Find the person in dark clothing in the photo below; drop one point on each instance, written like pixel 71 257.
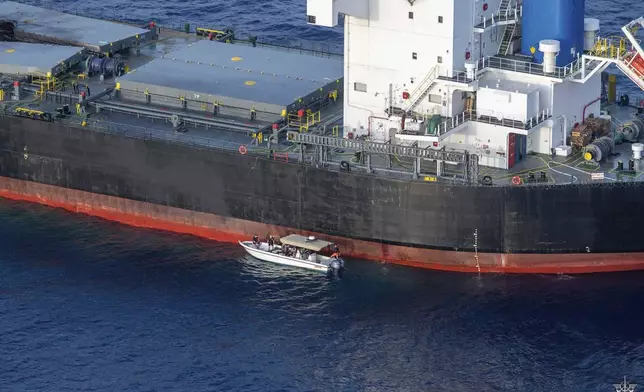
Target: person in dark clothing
pixel 256 241
pixel 271 242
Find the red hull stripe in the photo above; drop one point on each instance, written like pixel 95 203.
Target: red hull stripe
pixel 152 216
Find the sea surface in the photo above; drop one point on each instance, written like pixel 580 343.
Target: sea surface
pixel 90 305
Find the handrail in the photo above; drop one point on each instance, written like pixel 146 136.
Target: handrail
pixel 422 88
pixel 511 29
pixel 528 67
pixel 457 76
pixel 510 14
pixel 377 148
pixel 472 115
pixel 313 48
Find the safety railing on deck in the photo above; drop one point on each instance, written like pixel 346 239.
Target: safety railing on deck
pixel 458 77
pixel 144 133
pixel 510 14
pixel 528 67
pixel 487 118
pixel 611 47
pixel 304 121
pixel 119 15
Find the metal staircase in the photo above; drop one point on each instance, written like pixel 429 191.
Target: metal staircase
pixel 508 13
pixel 422 89
pixel 505 4
pixel 508 36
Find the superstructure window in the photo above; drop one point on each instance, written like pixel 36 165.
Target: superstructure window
pixel 414 56
pixel 440 19
pixel 411 15
pixel 439 59
pixel 360 87
pixel 311 18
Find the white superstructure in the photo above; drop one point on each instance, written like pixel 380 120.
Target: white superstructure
pixel 441 74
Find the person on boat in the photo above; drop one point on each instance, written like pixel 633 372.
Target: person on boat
pixel 271 243
pixel 336 252
pixel 256 241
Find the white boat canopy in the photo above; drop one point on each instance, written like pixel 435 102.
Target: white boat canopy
pixel 300 241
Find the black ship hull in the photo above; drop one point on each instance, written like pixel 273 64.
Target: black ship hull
pixel 224 195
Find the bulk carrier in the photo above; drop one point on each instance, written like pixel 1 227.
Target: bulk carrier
pixel 463 135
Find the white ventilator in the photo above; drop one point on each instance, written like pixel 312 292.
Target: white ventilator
pixel 591 29
pixel 550 49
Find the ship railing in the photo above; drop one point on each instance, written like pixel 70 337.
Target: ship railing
pixel 340 130
pixel 305 121
pixel 144 133
pixel 454 122
pixel 491 118
pixel 613 47
pixel 458 77
pixel 503 16
pixel 528 67
pixel 376 147
pixel 313 49
pixel 635 100
pixel 119 15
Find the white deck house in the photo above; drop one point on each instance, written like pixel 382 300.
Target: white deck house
pixel 441 74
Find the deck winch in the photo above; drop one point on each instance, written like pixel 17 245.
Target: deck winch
pixel 599 150
pixel 631 130
pixel 107 66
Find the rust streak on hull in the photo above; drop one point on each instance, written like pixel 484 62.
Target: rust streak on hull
pixel 147 215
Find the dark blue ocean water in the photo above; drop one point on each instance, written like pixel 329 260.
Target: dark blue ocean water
pixel 89 305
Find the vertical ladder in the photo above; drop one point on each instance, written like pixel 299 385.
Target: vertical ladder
pixel 422 89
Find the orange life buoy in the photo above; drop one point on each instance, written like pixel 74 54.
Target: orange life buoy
pixel 516 180
pixel 243 150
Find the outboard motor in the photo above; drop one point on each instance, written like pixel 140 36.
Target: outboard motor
pixel 336 268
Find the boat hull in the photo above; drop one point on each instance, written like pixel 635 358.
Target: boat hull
pixel 223 195
pixel 282 260
pixel 147 215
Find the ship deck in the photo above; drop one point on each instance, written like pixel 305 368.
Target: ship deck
pixel 25 58
pixel 114 112
pixel 36 23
